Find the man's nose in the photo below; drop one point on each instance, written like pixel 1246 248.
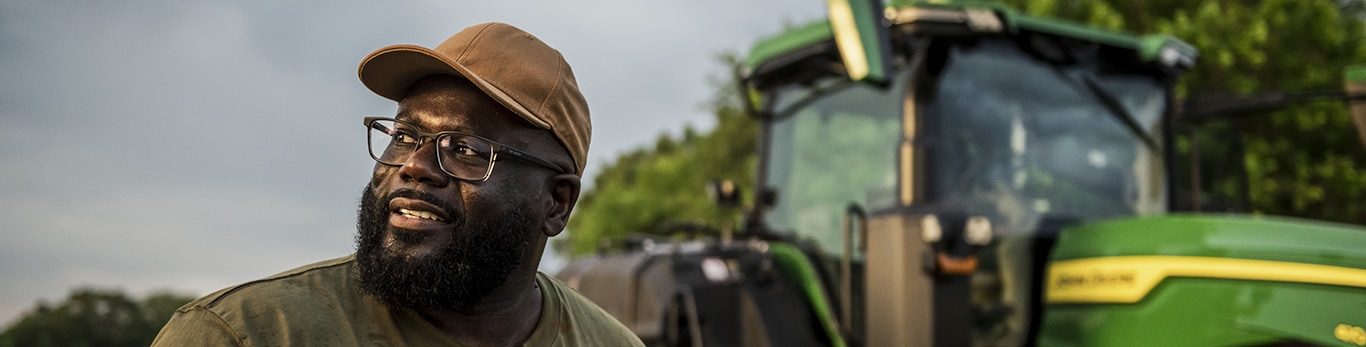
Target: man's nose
pixel 422 166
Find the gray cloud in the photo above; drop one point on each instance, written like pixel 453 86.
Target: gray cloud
pixel 195 145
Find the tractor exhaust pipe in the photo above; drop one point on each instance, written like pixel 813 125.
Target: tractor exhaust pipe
pixel 1355 78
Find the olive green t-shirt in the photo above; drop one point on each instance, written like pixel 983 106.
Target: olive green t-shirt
pixel 322 305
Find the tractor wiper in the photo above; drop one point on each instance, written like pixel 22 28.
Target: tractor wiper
pixel 1120 112
pixel 1112 104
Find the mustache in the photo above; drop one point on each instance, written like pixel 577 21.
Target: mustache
pixel 429 198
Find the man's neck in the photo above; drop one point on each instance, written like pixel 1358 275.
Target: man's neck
pixel 506 317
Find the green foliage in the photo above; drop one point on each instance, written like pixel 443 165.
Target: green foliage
pixel 94 317
pixel 648 189
pixel 1303 161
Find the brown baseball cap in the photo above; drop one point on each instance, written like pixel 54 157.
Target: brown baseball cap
pixel 512 66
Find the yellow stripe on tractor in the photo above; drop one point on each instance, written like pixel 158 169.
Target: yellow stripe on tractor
pixel 1128 279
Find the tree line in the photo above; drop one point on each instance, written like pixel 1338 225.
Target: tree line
pixel 94 317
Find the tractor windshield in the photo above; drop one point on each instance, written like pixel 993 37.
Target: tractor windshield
pixel 1017 138
pixel 1004 134
pixel 830 149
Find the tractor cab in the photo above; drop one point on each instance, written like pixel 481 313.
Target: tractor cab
pixel 987 132
pixel 965 175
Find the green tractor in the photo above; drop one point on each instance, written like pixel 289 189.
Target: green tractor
pixel 962 174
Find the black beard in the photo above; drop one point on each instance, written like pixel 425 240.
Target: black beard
pixel 482 253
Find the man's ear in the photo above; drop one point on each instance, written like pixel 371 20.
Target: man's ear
pixel 563 194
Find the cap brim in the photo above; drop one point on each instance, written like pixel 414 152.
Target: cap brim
pixel 390 71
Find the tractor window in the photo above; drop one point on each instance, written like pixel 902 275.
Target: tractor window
pixel 836 150
pixel 1016 138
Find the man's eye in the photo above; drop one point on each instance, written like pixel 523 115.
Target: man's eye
pixel 465 150
pixel 463 147
pixel 404 138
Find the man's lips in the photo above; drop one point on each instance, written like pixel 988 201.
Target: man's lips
pixel 415 214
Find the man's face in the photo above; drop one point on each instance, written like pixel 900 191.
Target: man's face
pixel 429 240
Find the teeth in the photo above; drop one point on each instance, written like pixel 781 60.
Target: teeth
pixel 419 214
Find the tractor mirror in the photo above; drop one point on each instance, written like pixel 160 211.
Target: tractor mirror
pixel 861 34
pixel 724 192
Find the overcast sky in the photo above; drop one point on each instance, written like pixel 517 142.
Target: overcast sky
pixel 193 145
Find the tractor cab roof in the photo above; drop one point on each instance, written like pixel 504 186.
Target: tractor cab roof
pixel 781 54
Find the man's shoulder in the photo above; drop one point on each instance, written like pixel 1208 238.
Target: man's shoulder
pixel 594 326
pixel 318 304
pixel 310 282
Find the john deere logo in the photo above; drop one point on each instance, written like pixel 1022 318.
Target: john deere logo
pixel 1118 278
pixel 1350 334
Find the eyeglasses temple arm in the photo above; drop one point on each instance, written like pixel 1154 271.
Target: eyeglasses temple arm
pixel 534 160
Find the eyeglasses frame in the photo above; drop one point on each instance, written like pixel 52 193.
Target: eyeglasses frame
pixel 495 147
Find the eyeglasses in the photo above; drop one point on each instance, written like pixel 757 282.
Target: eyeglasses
pixel 463 156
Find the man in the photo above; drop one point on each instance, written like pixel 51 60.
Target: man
pixel 479 167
